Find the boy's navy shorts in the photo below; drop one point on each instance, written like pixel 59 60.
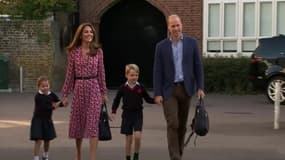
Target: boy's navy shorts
pixel 131 121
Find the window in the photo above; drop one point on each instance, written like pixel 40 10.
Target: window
pixel 265 19
pixel 230 46
pixel 248 45
pixel 214 20
pixel 280 17
pixel 214 46
pixel 234 26
pixel 230 20
pixel 249 19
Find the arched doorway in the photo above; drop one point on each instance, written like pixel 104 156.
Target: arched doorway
pixel 129 32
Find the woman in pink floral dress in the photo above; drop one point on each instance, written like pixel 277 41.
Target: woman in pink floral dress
pixel 85 77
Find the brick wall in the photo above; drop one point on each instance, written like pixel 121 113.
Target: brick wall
pixel 34 44
pixel 27 44
pixel 190 12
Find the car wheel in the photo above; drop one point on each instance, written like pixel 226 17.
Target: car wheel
pixel 271 89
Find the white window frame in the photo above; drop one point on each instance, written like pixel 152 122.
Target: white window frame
pixel 239 38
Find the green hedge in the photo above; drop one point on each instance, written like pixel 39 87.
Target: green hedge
pixel 227 75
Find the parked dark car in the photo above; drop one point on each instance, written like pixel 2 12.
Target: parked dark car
pixel 268 66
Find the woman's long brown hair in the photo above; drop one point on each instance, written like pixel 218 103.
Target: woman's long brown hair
pixel 76 41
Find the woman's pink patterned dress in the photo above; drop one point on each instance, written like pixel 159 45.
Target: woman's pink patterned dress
pixel 87 93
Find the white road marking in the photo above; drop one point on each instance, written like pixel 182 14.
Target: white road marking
pixel 13 123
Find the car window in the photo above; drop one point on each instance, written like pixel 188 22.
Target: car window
pixel 271 47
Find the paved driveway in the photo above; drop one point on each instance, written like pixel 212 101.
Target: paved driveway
pixel 241 128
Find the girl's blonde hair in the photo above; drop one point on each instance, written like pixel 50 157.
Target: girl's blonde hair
pixel 94 45
pixel 132 67
pixel 41 79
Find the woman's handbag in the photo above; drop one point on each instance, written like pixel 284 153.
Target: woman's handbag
pixel 104 126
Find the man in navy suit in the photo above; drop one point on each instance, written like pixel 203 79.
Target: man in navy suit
pixel 178 74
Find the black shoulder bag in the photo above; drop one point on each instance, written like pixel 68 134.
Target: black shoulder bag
pixel 104 126
pixel 200 122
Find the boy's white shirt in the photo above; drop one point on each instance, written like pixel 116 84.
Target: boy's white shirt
pixel 127 83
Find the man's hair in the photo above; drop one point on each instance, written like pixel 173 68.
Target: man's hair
pixel 132 67
pixel 171 16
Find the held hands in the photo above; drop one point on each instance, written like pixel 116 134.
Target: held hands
pixel 158 100
pixel 64 101
pixel 105 99
pixel 57 105
pixel 112 116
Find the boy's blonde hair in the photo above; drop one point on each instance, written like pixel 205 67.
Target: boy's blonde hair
pixel 41 79
pixel 132 67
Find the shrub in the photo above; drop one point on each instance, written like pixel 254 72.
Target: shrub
pixel 227 75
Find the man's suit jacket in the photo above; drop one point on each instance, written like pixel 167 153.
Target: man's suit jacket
pixel 164 71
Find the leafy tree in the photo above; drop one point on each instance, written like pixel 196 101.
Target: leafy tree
pixel 6 6
pixel 36 9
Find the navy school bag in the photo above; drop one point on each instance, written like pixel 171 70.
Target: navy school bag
pixel 200 122
pixel 104 126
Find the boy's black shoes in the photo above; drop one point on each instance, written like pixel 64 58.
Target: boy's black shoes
pixel 44 158
pixel 136 156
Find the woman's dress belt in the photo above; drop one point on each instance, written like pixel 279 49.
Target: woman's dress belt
pixel 85 78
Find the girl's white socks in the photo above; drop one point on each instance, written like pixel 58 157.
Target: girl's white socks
pixel 36 158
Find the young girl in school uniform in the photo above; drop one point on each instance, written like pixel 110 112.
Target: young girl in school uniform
pixel 42 127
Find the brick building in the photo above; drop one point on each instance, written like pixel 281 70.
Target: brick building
pixel 23 48
pixel 190 12
pixel 146 17
pixel 27 44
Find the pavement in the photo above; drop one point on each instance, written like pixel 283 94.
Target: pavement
pixel 241 128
